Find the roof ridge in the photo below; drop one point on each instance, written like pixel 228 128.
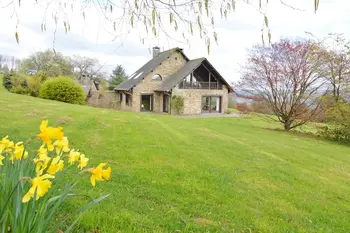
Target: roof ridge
pixel 199 58
pixel 168 50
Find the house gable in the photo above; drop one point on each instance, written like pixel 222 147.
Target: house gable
pixel 200 69
pixel 168 67
pixel 153 66
pixel 165 69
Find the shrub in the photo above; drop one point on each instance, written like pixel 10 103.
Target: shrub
pixel 231 110
pixel 19 90
pixel 339 114
pixel 326 103
pixel 40 75
pixel 261 107
pixel 62 89
pixel 34 84
pixel 6 81
pixel 336 134
pixel 19 80
pixel 19 84
pixel 30 198
pixel 243 108
pixel 177 103
pixel 339 117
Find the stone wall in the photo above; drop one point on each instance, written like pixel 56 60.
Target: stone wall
pixel 147 86
pixel 103 99
pixel 193 99
pixel 122 104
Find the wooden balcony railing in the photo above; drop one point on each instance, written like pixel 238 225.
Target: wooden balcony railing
pixel 200 85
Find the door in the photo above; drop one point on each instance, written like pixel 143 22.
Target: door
pixel 205 104
pixel 211 104
pixel 146 103
pixel 165 103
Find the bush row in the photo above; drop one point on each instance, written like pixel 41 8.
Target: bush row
pixel 255 106
pixel 61 88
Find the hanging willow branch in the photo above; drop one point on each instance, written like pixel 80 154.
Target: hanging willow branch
pixel 186 17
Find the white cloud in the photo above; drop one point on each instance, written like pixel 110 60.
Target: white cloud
pixel 93 37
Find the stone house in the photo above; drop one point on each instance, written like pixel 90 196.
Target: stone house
pixel 171 73
pixel 91 88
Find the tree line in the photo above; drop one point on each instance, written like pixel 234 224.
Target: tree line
pixel 52 64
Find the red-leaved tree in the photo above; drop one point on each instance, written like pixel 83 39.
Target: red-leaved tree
pixel 289 77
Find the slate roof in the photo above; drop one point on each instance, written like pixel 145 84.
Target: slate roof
pixel 136 77
pixel 174 79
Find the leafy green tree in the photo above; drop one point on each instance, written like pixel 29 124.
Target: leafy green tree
pixel 118 76
pixel 48 63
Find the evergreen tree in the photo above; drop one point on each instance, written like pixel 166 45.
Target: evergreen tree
pixel 118 76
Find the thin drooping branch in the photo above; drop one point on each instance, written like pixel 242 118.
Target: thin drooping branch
pixel 151 17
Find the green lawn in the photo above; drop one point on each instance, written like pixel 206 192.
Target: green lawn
pixel 232 110
pixel 175 174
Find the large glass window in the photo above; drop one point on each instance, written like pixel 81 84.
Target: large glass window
pixel 211 104
pixel 146 103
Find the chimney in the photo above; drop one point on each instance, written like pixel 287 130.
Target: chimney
pixel 156 51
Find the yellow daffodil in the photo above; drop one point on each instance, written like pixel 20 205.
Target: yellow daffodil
pixel 56 165
pixel 19 152
pixel 73 156
pixel 48 133
pixel 99 174
pixel 61 145
pixel 6 144
pixel 42 161
pixel 1 159
pixel 83 161
pixel 40 186
pixel 42 150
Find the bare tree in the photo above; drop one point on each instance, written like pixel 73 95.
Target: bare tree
pixel 2 60
pixel 288 76
pixel 336 54
pixel 86 68
pixel 12 63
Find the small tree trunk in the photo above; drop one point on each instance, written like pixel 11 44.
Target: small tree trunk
pixel 287 126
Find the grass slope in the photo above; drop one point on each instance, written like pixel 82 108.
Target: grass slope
pixel 195 175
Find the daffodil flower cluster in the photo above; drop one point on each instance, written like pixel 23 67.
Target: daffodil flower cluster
pixel 52 157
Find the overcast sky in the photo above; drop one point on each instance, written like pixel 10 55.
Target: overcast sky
pixel 240 31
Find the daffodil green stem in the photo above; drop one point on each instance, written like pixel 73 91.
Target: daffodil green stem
pixel 8 199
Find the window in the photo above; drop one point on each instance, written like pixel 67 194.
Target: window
pixel 157 77
pixel 211 104
pixel 146 103
pixel 128 99
pixel 121 97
